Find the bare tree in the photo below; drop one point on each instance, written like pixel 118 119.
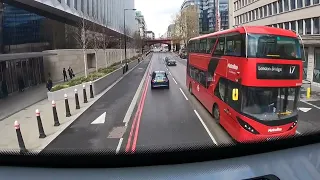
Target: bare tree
pixel 96 39
pixel 186 24
pixel 81 34
pixel 138 41
pixel 105 43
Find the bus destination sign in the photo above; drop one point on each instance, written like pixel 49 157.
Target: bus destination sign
pixel 277 71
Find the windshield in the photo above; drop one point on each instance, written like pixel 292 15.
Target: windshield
pixel 272 46
pixel 270 103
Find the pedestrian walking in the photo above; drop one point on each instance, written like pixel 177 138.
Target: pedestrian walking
pixel 49 83
pixel 71 74
pixel 65 77
pixel 21 83
pixel 4 88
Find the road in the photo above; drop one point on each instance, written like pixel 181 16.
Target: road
pixel 131 117
pixel 167 120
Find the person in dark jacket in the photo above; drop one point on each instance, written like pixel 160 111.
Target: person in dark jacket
pixel 65 77
pixel 70 71
pixel 49 84
pixel 4 88
pixel 21 84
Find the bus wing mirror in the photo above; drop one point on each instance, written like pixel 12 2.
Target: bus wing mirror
pixel 235 94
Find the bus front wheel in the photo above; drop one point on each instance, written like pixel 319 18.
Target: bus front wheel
pixel 216 113
pixel 190 89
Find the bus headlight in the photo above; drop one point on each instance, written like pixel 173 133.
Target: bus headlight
pixel 294 124
pixel 246 126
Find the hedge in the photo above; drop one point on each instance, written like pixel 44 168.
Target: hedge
pixel 91 76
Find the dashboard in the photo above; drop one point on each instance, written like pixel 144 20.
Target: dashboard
pixel 300 163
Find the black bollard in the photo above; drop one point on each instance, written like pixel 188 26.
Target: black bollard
pixel 77 99
pixel 55 114
pixel 66 102
pixel 127 67
pixel 91 90
pixel 20 139
pixel 123 69
pixel 85 99
pixel 40 127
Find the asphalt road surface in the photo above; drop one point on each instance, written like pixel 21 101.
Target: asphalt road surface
pixel 167 121
pixel 101 126
pixel 131 117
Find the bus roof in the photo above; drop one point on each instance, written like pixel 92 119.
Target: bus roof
pixel 251 29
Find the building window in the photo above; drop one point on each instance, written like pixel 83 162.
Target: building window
pixel 254 14
pixel 286 5
pixel 270 9
pixel 261 14
pixel 316 26
pixel 308 26
pixel 274 5
pixel 265 13
pixel 307 2
pixel 300 26
pixel 69 3
pixel 76 5
pixel 280 25
pixel 293 25
pixel 280 6
pixel 299 3
pixel 82 6
pixel 286 25
pixel 292 4
pixel 315 1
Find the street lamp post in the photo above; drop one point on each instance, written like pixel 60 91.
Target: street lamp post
pixel 125 36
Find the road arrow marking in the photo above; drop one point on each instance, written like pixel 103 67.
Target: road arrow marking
pixel 101 119
pixel 305 109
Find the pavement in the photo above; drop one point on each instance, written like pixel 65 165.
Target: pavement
pixel 130 117
pixel 26 116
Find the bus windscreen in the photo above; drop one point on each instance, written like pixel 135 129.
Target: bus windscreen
pixel 273 47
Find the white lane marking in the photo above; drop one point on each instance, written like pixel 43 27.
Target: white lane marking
pixel 310 104
pixel 174 80
pixel 167 69
pixel 135 99
pixel 298 132
pixel 170 73
pixel 101 119
pixel 304 109
pixel 183 94
pixel 206 128
pixel 119 145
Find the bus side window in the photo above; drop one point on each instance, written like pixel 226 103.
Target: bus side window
pixel 220 47
pixel 221 89
pixel 236 105
pixel 212 42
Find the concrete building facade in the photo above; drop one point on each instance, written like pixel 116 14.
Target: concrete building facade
pixel 150 35
pixel 34 34
pixel 141 24
pixel 302 16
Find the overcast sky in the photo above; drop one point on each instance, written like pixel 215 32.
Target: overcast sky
pixel 158 13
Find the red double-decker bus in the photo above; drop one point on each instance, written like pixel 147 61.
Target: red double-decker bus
pixel 249 79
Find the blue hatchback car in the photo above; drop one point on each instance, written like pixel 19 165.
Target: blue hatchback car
pixel 159 79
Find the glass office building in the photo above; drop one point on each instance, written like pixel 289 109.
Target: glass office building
pixel 22 32
pixel 207 17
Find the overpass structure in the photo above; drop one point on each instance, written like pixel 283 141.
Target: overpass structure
pixel 158 41
pixel 103 13
pixel 168 41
